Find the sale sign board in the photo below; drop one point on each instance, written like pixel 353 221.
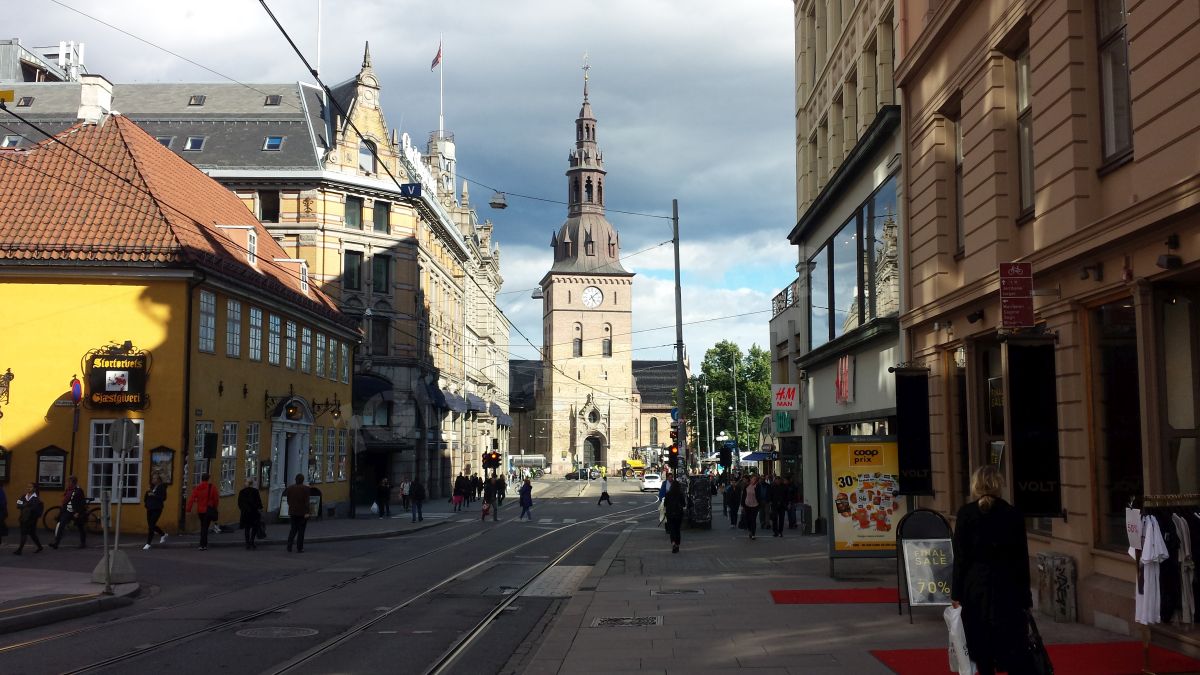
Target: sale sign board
pixel 864 479
pixel 785 397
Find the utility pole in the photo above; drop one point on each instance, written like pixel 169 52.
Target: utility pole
pixel 680 379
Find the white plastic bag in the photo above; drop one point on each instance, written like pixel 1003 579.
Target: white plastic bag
pixel 374 508
pixel 960 660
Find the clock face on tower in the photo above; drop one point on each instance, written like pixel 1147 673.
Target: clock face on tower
pixel 592 296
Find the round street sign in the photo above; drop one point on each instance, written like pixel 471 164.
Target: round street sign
pixel 675 413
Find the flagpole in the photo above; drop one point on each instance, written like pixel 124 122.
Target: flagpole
pixel 441 68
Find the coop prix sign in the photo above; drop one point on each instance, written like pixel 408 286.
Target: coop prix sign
pixel 117 378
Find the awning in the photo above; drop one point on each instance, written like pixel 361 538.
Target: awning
pixel 436 397
pixel 495 410
pixel 366 386
pixel 475 403
pixel 504 420
pixel 759 457
pixel 455 402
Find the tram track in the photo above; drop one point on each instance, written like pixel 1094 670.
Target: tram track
pixel 357 629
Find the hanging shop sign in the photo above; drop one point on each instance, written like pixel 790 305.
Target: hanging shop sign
pixel 863 480
pixel 116 377
pixel 912 431
pixel 783 422
pixel 785 397
pixel 1016 295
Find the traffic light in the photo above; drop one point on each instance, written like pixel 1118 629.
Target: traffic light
pixel 494 459
pixel 487 460
pixel 674 435
pixel 673 456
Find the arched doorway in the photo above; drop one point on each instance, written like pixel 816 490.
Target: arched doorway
pixel 593 450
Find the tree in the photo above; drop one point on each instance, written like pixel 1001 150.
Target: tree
pixel 753 372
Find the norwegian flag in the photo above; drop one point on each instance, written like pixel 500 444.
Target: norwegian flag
pixel 437 60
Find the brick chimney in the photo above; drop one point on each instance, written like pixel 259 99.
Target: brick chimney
pixel 95 98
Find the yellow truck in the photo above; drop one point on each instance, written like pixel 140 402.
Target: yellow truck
pixel 633 468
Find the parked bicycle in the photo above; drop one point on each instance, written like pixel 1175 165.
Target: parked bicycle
pixel 93 523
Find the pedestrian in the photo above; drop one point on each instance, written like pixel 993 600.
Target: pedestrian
pixel 734 498
pixel 154 500
pixel 459 495
pixel 405 490
pixel 501 491
pixel 297 500
pixel 250 505
pixel 525 497
pixel 489 500
pixel 476 491
pixel 673 505
pixel 31 507
pixel 763 493
pixel 3 515
pixel 779 504
pixel 793 501
pixel 750 504
pixel 204 498
pixel 73 511
pixel 991 576
pixel 604 492
pixel 416 498
pixel 383 498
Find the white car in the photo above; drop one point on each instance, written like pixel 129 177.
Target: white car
pixel 651 481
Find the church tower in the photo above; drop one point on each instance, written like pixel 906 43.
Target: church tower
pixel 588 408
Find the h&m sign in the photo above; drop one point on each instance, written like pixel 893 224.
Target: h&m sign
pixel 116 377
pixel 785 397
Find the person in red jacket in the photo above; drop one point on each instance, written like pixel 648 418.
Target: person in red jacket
pixel 204 498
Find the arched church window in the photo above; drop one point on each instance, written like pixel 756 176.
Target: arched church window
pixel 594 416
pixel 606 343
pixel 579 132
pixel 653 431
pixel 575 190
pixel 587 189
pixel 577 342
pixel 366 156
pixel 600 192
pixel 589 247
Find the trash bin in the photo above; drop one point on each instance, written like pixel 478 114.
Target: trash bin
pixel 1056 586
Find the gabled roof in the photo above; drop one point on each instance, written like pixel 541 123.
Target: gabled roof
pixel 145 207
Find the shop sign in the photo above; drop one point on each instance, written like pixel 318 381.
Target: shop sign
pixel 783 422
pixel 1016 295
pixel 785 397
pixel 116 377
pixel 912 431
pixel 928 570
pixel 843 383
pixel 864 478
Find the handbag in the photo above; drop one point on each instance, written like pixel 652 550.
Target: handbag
pixel 960 659
pixel 662 511
pixel 1037 657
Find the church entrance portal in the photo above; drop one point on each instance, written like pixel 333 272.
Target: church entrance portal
pixel 593 451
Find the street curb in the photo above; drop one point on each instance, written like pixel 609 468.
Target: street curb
pixel 74 610
pixel 282 541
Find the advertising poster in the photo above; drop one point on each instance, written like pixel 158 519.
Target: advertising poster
pixel 864 479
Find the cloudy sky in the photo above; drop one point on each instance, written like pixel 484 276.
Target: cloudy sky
pixel 693 100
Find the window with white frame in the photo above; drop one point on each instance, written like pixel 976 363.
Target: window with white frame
pixel 333 437
pixel 253 443
pixel 233 329
pixel 252 246
pixel 331 367
pixel 199 463
pixel 304 276
pixel 273 340
pixel 104 464
pixel 255 334
pixel 305 349
pixel 341 467
pixel 229 453
pixel 318 455
pixel 208 322
pixel 320 355
pixel 290 357
pixel 331 458
pixel 345 364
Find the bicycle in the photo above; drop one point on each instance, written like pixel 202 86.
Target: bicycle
pixel 93 523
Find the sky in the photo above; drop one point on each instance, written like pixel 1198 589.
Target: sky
pixel 694 101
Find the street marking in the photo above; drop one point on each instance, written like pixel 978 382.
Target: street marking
pixel 568 520
pixel 421 632
pixel 387 632
pixel 545 521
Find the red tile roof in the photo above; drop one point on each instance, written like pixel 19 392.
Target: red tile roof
pixel 150 207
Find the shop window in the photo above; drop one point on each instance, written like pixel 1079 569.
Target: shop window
pixel 959 446
pixel 253 445
pixel 1033 422
pixel 1181 471
pixel 1117 399
pixel 229 434
pixel 318 454
pixel 103 464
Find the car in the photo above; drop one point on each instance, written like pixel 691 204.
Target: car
pixel 572 475
pixel 651 481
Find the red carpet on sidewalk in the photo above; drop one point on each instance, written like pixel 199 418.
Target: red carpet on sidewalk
pixel 1105 658
pixel 835 596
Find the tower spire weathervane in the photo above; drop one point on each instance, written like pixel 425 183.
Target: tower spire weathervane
pixel 586 68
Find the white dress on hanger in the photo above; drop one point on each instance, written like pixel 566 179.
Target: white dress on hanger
pixel 1187 570
pixel 1147 604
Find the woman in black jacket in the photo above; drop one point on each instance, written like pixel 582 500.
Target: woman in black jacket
pixel 673 504
pixel 31 508
pixel 155 500
pixel 991 576
pixel 250 508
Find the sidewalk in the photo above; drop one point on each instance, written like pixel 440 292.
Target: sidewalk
pixel 711 611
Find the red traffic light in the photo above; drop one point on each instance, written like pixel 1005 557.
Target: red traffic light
pixel 674 434
pixel 674 450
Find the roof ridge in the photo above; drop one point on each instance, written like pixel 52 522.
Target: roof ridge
pixel 146 186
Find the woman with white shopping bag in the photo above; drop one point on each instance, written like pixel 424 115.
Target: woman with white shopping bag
pixel 991 578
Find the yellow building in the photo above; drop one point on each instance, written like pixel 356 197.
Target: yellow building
pixel 123 266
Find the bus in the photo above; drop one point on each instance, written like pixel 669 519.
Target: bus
pixel 536 464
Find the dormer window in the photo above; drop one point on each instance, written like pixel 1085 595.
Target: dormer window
pixel 194 144
pixel 273 99
pixel 251 247
pixel 10 141
pixel 197 99
pixel 24 101
pixel 273 143
pixel 366 156
pixel 304 277
pixel 165 140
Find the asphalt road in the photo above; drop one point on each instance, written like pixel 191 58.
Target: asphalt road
pixel 369 606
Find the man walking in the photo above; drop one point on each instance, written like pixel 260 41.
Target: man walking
pixel 405 491
pixel 416 499
pixel 779 503
pixel 501 491
pixel 297 500
pixel 489 500
pixel 73 511
pixel 383 498
pixel 604 492
pixel 250 509
pixel 204 498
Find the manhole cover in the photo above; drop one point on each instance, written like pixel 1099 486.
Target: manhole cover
pixel 625 621
pixel 275 632
pixel 682 591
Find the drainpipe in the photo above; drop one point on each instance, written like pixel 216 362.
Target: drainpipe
pixel 185 446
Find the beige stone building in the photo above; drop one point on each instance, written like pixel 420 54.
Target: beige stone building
pixel 834 328
pixel 378 225
pixel 1060 133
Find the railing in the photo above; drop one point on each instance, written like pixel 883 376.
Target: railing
pixel 785 298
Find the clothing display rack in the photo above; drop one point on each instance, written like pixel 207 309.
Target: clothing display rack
pixel 1156 502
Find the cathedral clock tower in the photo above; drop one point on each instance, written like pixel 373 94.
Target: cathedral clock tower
pixel 588 408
